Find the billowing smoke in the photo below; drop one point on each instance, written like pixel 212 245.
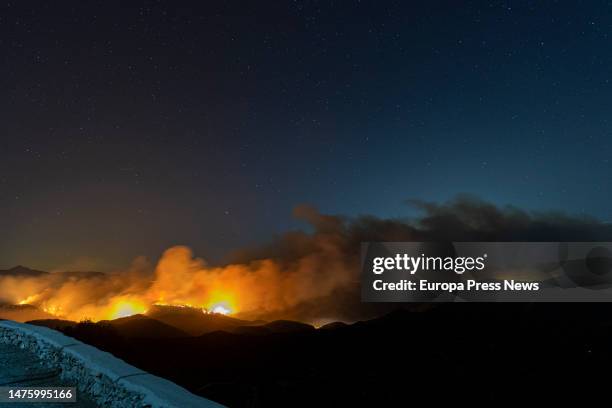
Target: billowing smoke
pixel 311 276
pixel 77 296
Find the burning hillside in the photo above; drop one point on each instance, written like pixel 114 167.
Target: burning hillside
pixel 304 276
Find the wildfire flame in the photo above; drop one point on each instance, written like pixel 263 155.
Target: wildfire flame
pixel 125 308
pixel 29 300
pixel 243 289
pixel 221 309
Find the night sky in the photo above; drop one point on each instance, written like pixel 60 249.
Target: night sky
pixel 129 127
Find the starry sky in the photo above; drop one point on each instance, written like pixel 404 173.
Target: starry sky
pixel 129 127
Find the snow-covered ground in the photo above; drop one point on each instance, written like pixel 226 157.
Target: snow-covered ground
pixel 23 368
pixel 109 381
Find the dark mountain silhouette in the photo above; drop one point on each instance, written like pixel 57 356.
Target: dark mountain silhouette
pixel 194 321
pixel 288 326
pixel 82 274
pixel 160 321
pixel 131 326
pixel 143 326
pixel 445 353
pixel 25 272
pixel 56 324
pixel 23 313
pixel 253 330
pixel 22 271
pixel 333 325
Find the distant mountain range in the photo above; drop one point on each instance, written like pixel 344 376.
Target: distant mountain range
pixel 22 271
pixel 143 326
pixel 445 353
pixel 174 322
pixel 23 313
pixel 159 321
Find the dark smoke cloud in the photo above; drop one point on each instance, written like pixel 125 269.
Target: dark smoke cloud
pixel 465 218
pixel 311 276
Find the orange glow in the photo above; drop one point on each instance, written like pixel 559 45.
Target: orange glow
pixel 125 308
pixel 221 303
pixel 221 309
pixel 179 279
pixel 28 300
pixel 54 310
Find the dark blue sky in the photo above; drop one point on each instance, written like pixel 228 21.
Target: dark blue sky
pixel 128 128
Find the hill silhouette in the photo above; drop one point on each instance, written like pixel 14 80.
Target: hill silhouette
pixel 143 326
pixel 22 271
pixel 333 326
pixel 445 353
pixel 175 321
pixel 252 330
pixel 25 272
pixel 194 321
pixel 288 326
pixel 56 324
pixel 23 313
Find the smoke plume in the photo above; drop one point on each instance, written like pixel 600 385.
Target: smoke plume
pixel 311 276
